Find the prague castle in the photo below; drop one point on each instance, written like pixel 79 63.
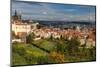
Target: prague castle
pixel 21 28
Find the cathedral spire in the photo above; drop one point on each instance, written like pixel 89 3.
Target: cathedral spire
pixel 15 13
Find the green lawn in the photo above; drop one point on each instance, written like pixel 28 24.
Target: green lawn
pixel 46 44
pixel 26 54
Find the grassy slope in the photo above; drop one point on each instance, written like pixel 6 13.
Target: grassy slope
pixel 46 44
pixel 21 53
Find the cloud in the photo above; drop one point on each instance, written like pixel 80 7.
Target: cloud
pixel 45 11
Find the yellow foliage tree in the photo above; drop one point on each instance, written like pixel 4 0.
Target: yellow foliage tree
pixel 57 57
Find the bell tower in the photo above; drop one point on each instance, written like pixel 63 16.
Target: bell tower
pixel 16 16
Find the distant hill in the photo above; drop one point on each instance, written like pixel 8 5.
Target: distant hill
pixel 65 22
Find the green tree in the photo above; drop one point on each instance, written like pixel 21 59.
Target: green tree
pixel 91 53
pixel 13 34
pixel 51 37
pixel 73 46
pixel 61 48
pixel 30 37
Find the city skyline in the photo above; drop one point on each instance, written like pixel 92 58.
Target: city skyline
pixel 53 12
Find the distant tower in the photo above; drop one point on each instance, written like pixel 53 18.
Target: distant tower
pixel 15 13
pixel 16 16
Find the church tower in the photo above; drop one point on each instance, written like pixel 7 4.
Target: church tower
pixel 16 16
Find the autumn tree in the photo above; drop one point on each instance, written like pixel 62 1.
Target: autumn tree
pixel 57 57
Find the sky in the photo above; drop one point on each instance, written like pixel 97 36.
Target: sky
pixel 53 11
